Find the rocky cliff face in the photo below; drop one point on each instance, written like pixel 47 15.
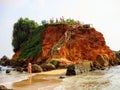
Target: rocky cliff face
pixel 75 43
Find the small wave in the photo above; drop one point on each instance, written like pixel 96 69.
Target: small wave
pixel 12 77
pixel 108 79
pixel 60 87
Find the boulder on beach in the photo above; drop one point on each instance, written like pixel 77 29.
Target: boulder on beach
pixel 36 68
pixel 78 68
pixel 71 70
pixel 2 87
pixel 48 67
pixel 20 69
pixel 8 71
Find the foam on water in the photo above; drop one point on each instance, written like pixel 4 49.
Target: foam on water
pixel 108 79
pixel 13 76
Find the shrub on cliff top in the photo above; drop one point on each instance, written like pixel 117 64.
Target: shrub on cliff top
pixel 22 29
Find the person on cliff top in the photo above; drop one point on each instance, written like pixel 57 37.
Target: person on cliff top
pixel 56 20
pixel 62 19
pixel 51 20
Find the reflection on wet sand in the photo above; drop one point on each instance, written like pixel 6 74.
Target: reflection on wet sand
pixel 43 81
pixel 29 78
pixel 108 79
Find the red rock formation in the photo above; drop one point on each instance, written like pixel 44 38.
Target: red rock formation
pixel 16 55
pixel 79 43
pixel 85 44
pixel 51 37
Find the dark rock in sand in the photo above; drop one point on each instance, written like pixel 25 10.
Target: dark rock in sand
pixel 48 67
pixel 8 71
pixel 61 77
pixel 78 68
pixel 20 69
pixel 36 68
pixel 2 87
pixel 71 70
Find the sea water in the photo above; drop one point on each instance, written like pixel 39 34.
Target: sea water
pixel 108 79
pixel 13 76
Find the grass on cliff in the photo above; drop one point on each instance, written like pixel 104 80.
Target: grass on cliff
pixel 33 46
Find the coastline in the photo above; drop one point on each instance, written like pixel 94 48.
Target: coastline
pixel 41 81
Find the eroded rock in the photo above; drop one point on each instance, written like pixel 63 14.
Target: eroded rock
pixel 71 70
pixel 79 67
pixel 8 71
pixel 2 87
pixel 36 68
pixel 48 66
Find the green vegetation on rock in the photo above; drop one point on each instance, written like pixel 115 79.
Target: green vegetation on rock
pixel 22 29
pixel 54 62
pixel 33 46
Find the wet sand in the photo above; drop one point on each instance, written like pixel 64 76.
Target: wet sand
pixel 42 81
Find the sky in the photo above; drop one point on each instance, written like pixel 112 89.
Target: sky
pixel 103 14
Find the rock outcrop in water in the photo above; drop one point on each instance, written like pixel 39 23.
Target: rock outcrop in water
pixel 2 87
pixel 75 43
pixel 5 61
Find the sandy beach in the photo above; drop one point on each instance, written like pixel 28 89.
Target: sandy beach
pixel 41 81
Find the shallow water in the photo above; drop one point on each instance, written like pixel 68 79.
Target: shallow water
pixel 13 76
pixel 108 79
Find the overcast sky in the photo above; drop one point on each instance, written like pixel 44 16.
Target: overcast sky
pixel 103 14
